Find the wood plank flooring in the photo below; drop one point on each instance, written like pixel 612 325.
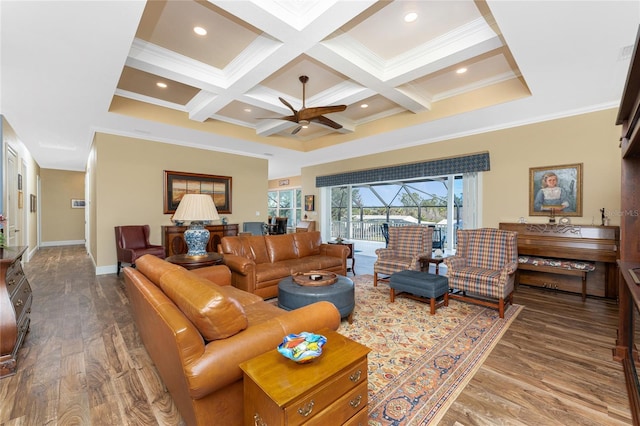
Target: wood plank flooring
pixel 83 362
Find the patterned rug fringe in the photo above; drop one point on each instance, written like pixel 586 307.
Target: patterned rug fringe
pixel 419 363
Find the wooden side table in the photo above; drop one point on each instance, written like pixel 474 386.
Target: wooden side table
pixel 195 262
pixel 351 268
pixel 425 261
pixel 331 389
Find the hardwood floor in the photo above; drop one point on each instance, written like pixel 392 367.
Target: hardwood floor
pixel 84 364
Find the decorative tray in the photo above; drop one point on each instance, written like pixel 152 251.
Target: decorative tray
pixel 315 278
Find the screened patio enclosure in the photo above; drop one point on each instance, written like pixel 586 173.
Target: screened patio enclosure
pixel 359 211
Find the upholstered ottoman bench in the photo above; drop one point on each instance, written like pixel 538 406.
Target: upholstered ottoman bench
pixel 292 295
pixel 421 286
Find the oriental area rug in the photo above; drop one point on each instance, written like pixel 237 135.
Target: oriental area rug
pixel 419 363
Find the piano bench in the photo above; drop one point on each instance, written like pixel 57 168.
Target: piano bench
pixel 558 266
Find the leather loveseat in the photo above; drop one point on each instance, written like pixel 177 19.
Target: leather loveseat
pixel 197 329
pixel 258 263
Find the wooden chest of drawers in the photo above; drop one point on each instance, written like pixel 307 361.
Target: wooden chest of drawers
pixel 15 307
pixel 331 389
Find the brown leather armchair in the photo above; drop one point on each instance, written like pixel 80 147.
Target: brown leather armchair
pixel 132 241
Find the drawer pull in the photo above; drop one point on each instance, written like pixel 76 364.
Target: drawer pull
pixel 356 401
pixel 257 420
pixel 355 376
pixel 307 409
pixel 19 302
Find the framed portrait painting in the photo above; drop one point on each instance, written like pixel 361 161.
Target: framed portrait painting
pixel 555 190
pixel 309 203
pixel 177 184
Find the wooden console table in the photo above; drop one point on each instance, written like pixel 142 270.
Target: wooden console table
pixel 15 307
pixel 173 237
pixel 331 389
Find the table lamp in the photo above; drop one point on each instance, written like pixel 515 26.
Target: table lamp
pixel 196 208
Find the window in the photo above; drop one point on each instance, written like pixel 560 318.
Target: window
pixel 286 203
pixel 358 211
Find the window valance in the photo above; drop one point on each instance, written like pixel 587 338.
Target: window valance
pixel 445 166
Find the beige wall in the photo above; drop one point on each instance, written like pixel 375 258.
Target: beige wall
pixel 61 224
pixel 129 180
pixel 126 174
pixel 591 139
pixel 277 184
pixel 26 221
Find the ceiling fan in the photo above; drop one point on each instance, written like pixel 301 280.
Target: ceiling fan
pixel 306 115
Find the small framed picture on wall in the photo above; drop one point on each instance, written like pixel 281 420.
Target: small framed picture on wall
pixel 309 203
pixel 77 204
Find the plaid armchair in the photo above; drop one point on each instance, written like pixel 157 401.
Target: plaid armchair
pixel 485 263
pixel 407 244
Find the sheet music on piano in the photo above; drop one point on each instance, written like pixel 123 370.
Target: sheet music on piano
pixel 635 274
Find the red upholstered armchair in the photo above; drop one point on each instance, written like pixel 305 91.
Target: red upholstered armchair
pixel 132 242
pixel 484 267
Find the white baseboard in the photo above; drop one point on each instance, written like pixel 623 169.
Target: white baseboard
pixel 109 269
pixel 62 243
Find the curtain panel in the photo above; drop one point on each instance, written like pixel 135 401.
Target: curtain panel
pixel 446 166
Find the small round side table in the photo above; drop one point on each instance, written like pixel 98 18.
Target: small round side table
pixel 195 262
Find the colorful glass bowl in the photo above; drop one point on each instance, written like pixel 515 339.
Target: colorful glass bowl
pixel 303 347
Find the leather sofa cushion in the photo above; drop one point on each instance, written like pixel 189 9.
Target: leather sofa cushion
pixel 251 247
pixel 258 248
pixel 308 243
pixel 215 315
pixel 281 247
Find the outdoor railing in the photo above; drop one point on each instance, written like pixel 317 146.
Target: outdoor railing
pixel 369 231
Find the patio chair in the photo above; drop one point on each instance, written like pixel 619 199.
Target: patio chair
pixel 384 228
pixel 483 269
pixel 407 244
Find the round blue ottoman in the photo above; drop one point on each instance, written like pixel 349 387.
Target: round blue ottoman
pixel 292 295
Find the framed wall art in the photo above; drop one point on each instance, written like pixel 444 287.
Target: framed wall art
pixel 33 204
pixel 309 203
pixel 177 184
pixel 555 190
pixel 77 204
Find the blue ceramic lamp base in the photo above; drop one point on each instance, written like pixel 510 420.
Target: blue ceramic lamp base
pixel 197 238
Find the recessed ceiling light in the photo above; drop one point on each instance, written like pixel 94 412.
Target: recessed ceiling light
pixel 410 17
pixel 247 110
pixel 200 31
pixel 461 70
pixel 364 106
pixel 161 85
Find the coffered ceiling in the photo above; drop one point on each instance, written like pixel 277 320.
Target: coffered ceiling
pixel 364 55
pixel 70 69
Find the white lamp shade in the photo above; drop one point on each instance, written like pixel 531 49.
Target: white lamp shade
pixel 196 207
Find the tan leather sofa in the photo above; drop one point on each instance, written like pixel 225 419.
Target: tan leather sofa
pixel 258 263
pixel 197 329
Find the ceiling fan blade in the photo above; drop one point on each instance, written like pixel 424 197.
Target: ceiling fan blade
pixel 309 113
pixel 284 101
pixel 327 122
pixel 292 118
pixel 296 130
